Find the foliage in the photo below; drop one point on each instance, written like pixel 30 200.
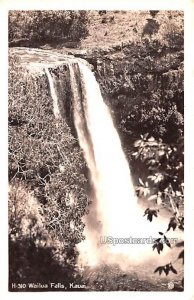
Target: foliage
pixel 166 269
pixel 164 187
pixel 35 256
pixel 166 169
pixel 45 160
pixel 171 32
pixel 41 26
pixel 143 81
pixel 140 105
pixel 110 27
pixel 150 213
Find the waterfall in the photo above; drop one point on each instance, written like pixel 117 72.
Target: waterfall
pixel 109 168
pixel 53 94
pixel 114 212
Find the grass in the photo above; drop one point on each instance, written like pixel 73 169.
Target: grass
pixel 127 26
pixel 112 278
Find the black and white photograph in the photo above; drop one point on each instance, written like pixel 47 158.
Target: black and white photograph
pixel 96 150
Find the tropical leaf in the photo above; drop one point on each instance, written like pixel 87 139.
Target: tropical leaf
pixel 159 270
pixel 167 241
pixel 166 269
pixel 150 213
pixel 173 269
pixel 160 247
pixel 172 224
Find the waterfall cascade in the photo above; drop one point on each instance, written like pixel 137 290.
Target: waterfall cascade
pixel 114 212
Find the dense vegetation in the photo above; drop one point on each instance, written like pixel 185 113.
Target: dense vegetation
pixel 141 79
pixel 46 174
pixel 34 28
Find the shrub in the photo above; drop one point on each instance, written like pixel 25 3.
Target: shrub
pixel 46 161
pixel 41 27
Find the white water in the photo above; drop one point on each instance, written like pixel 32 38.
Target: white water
pixel 53 94
pixel 114 210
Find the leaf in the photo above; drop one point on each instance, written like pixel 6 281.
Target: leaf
pixel 155 213
pixel 158 240
pixel 160 247
pixel 167 242
pixel 145 136
pixel 158 177
pixel 181 223
pixel 159 270
pixel 154 246
pixel 150 213
pixel 172 224
pixel 146 211
pixel 150 216
pixel 146 192
pixel 173 269
pixel 181 227
pixel 140 191
pixel 141 182
pixel 166 269
pixel 137 143
pixel 181 220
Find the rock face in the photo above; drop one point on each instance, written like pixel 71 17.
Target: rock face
pixel 32 65
pixel 36 60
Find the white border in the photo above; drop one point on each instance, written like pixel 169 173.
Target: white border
pixel 188 7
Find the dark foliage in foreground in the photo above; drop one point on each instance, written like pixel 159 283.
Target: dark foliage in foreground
pixel 164 187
